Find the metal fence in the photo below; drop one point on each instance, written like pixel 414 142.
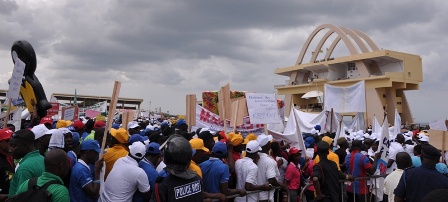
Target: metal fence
pixel 369 197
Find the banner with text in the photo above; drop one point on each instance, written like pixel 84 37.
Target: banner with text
pixel 208 119
pixel 262 108
pixel 14 118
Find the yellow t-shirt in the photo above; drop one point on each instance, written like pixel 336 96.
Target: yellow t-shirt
pixel 194 167
pixel 331 156
pixel 113 154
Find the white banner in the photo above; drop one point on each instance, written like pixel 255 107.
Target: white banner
pixel 345 99
pixel 262 108
pixel 210 120
pixel 14 118
pixel 100 106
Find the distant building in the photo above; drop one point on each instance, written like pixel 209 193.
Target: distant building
pixel 387 73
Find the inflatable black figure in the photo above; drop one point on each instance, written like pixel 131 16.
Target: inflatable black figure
pixel 31 90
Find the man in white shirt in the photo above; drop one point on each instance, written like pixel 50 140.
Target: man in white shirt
pixel 267 169
pixel 246 173
pixel 394 149
pixel 390 183
pixel 126 177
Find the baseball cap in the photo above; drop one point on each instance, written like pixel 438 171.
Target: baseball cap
pixel 90 145
pixel 39 131
pixel 220 149
pixel 253 147
pixel 341 140
pixel 153 148
pixel 264 139
pixel 327 139
pixel 198 144
pixel 180 122
pixel 137 137
pixel 423 138
pixel 121 135
pixel 78 125
pixel 46 119
pixel 251 136
pixel 137 150
pixel 294 150
pixel 61 124
pixel 5 134
pixel 133 124
pixel 237 139
pixel 99 124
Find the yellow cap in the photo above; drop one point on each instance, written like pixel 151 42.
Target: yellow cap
pixel 327 139
pixel 251 136
pixel 198 144
pixel 236 140
pixel 121 135
pixel 61 124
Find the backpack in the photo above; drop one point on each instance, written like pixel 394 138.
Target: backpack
pixel 34 192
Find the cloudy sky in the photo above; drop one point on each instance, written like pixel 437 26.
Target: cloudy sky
pixel 163 50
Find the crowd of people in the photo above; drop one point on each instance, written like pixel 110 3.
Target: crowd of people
pixel 161 161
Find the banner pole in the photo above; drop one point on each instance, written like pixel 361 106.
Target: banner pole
pixel 8 111
pixel 112 105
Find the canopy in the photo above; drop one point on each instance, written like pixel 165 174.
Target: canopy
pixel 313 94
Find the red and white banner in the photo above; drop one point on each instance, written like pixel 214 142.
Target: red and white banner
pixel 210 120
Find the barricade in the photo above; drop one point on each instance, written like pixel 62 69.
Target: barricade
pixel 303 198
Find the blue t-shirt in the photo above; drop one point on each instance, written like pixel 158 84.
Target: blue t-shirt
pixel 357 165
pixel 214 172
pixel 73 158
pixel 152 175
pixel 416 161
pixel 80 177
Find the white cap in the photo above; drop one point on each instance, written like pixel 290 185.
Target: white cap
pixel 263 139
pixel 39 131
pixel 133 124
pixel 423 138
pixel 137 150
pixel 253 147
pixel 373 137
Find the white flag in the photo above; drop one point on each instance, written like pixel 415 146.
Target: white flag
pixel 345 99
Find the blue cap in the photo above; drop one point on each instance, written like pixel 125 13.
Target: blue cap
pixel 153 148
pixel 75 136
pixel 137 137
pixel 71 128
pixel 442 168
pixel 180 122
pixel 115 126
pixel 220 149
pixel 90 145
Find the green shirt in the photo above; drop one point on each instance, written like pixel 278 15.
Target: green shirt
pixel 59 193
pixel 31 165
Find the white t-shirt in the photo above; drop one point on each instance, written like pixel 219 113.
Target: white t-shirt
pixel 267 168
pixel 391 182
pixel 246 171
pixel 282 168
pixel 394 149
pixel 124 179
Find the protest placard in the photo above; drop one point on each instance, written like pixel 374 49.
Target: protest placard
pixel 70 113
pixel 437 125
pixel 14 117
pixel 54 110
pixel 262 108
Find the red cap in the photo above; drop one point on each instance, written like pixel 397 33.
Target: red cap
pixel 78 125
pixel 46 119
pixel 293 151
pixel 5 134
pixel 99 124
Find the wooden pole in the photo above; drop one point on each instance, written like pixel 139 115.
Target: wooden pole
pixel 225 120
pixel 112 105
pixel 331 120
pixel 235 115
pixel 7 113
